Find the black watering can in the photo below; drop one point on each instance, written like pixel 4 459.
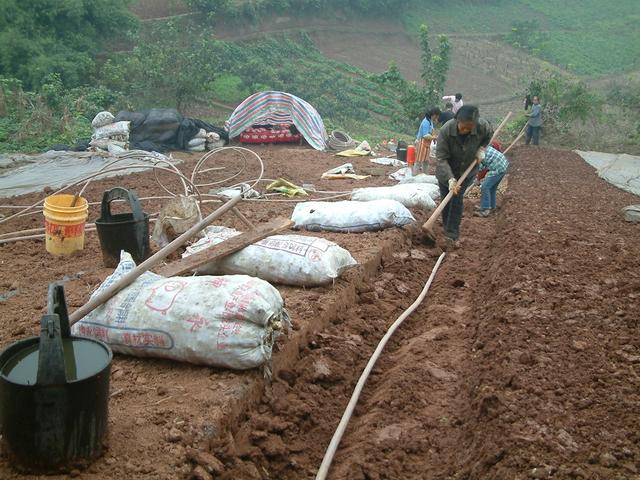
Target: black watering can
pixel 123 231
pixel 54 393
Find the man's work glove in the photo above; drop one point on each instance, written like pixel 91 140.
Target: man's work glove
pixel 453 186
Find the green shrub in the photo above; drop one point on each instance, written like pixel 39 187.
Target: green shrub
pixel 33 121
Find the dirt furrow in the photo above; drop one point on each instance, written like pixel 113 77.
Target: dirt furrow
pixel 522 363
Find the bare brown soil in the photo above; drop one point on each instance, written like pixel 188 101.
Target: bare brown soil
pixel 521 363
pixel 152 398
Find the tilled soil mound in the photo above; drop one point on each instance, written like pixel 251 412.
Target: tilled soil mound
pixel 521 363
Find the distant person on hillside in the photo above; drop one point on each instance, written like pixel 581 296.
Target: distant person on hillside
pixel 456 100
pixel 428 124
pixel 493 167
pixel 535 121
pixel 458 145
pixel 447 114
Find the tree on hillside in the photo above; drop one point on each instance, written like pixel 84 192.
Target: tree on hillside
pixel 58 36
pixel 433 71
pixel 173 65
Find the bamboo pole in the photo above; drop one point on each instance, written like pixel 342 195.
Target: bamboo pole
pixel 522 132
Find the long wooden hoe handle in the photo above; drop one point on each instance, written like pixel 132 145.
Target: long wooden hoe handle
pixel 427 227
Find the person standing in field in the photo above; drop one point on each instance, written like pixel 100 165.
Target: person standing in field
pixel 535 121
pixel 426 134
pixel 428 125
pixel 456 100
pixel 458 145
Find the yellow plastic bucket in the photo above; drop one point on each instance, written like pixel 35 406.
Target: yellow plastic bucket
pixel 64 225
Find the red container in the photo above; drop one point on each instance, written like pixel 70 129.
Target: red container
pixel 411 155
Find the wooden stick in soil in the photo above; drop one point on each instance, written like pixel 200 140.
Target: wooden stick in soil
pixel 150 262
pixel 225 248
pixel 427 228
pixel 243 219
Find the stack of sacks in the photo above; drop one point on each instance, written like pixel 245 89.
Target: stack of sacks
pixel 214 141
pixel 198 142
pixel 204 140
pixel 109 134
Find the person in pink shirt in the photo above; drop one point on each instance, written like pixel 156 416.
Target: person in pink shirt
pixel 456 100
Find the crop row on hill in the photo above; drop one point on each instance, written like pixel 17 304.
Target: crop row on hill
pixel 582 35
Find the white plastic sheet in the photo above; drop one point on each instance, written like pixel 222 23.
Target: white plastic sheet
pixel 621 170
pixel 55 169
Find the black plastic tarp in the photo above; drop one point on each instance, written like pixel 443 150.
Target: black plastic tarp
pixel 163 129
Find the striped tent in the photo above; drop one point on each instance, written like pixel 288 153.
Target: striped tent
pixel 278 108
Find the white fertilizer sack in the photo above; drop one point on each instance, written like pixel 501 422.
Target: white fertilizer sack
pixel 230 321
pixel 420 178
pixel 351 217
pixel 111 130
pixel 196 142
pixel 102 119
pixel 202 133
pixel 285 259
pixel 411 195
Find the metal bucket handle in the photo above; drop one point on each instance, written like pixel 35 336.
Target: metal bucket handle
pixel 119 193
pixel 54 326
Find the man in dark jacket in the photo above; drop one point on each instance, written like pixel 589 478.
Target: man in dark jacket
pixel 458 145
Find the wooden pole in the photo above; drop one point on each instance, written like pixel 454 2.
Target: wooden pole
pixel 223 249
pixel 150 262
pixel 242 218
pixel 428 225
pixel 522 132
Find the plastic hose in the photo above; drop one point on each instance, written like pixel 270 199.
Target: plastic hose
pixel 339 140
pixel 346 416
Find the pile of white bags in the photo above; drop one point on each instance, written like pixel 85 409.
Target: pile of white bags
pixel 285 259
pixel 213 141
pixel 351 217
pixel 108 134
pixel 198 142
pixel 230 321
pixel 204 140
pixel 411 195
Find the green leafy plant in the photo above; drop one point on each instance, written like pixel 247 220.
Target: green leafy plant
pixel 62 36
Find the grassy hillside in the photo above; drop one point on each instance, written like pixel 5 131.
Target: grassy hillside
pixel 588 37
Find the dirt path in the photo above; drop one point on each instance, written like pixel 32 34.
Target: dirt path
pixel 522 363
